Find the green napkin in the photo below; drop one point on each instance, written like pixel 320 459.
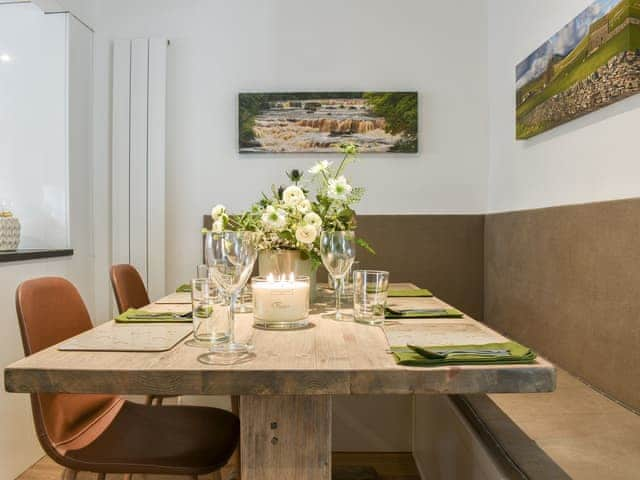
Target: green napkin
pixel 517 354
pixel 436 313
pixel 143 316
pixel 410 292
pixel 184 288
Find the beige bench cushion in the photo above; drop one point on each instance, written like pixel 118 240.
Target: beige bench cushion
pixel 574 432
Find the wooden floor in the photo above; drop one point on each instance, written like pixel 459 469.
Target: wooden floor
pixel 346 466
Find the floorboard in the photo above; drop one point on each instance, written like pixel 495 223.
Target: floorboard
pixel 347 466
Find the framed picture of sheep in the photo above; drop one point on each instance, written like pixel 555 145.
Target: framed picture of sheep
pixel 308 122
pixel 590 63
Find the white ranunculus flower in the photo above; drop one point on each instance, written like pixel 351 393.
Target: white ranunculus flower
pixel 321 166
pixel 218 226
pixel 274 218
pixel 292 195
pixel 218 211
pixel 306 233
pixel 313 219
pixel 339 189
pixel 304 206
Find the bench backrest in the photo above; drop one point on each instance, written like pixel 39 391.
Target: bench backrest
pixel 566 281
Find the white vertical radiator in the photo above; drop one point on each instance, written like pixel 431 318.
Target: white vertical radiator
pixel 138 180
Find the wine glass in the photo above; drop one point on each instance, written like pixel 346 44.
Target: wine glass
pixel 230 256
pixel 242 306
pixel 338 251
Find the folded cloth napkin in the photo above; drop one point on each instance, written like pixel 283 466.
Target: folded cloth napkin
pixel 184 288
pixel 134 315
pixel 409 292
pixel 514 353
pixel 422 313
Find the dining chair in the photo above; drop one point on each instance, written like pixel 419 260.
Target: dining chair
pixel 105 433
pixel 128 287
pixel 130 292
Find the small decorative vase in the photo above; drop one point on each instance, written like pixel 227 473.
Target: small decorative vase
pixel 285 262
pixel 9 233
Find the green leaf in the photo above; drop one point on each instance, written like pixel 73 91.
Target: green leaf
pixel 364 244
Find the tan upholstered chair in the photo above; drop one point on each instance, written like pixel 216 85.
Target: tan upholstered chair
pixel 105 433
pixel 128 287
pixel 130 292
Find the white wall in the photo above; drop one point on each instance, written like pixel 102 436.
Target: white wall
pixel 589 159
pixel 220 48
pixel 18 445
pixel 33 122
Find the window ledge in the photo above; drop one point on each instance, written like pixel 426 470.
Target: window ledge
pixel 32 254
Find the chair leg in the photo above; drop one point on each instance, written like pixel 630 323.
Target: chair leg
pixel 68 474
pixel 148 401
pixel 101 476
pixel 235 458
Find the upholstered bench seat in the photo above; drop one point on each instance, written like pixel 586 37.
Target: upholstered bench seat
pixel 574 432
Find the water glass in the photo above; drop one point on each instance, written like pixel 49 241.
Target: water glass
pixel 210 312
pixel 202 271
pixel 370 288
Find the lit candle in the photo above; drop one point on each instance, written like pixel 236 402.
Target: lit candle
pixel 280 301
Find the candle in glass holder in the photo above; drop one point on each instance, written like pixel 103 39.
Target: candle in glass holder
pixel 280 302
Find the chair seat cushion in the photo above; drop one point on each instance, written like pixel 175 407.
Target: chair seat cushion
pixel 162 439
pixel 574 432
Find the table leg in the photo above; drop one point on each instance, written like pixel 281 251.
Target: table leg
pixel 285 437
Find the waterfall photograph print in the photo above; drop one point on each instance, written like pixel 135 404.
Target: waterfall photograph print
pixel 318 122
pixel 592 62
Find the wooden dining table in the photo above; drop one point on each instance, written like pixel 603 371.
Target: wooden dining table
pixel 286 387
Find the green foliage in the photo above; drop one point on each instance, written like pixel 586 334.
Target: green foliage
pixel 249 105
pixel 400 111
pixel 335 211
pixel 364 244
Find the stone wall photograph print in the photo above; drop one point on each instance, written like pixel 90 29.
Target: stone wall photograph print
pixel 592 62
pixel 305 122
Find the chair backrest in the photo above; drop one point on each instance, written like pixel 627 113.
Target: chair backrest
pixel 51 310
pixel 128 287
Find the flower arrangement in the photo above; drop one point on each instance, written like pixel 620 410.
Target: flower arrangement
pixel 290 219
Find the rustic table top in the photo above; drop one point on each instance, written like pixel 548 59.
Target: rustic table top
pixel 329 357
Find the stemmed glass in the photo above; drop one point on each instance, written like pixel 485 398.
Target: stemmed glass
pixel 338 251
pixel 230 256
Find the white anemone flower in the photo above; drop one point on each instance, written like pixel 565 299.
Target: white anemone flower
pixel 339 189
pixel 274 218
pixel 292 195
pixel 218 211
pixel 321 166
pixel 306 233
pixel 313 219
pixel 304 206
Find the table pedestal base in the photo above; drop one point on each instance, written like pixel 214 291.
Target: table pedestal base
pixel 285 437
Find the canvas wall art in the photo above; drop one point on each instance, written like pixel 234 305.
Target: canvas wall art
pixel 306 122
pixel 591 62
